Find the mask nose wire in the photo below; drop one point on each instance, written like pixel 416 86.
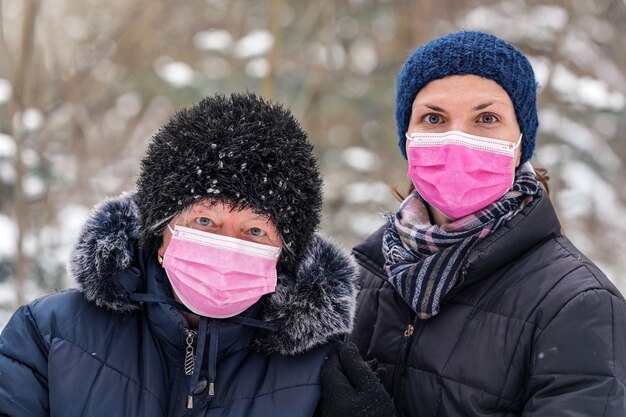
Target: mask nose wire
pixel 517 144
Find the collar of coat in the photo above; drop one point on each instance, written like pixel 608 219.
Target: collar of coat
pixel 309 309
pixel 534 224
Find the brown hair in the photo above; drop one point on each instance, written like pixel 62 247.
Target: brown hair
pixel 400 192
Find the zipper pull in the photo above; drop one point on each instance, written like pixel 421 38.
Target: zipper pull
pixel 409 331
pixel 190 361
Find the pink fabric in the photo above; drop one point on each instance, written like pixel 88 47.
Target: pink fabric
pixel 460 174
pixel 217 276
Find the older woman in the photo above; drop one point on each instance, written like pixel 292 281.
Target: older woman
pixel 206 293
pixel 472 300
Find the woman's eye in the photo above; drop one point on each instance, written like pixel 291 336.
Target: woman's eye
pixel 255 231
pixel 488 118
pixel 433 119
pixel 204 221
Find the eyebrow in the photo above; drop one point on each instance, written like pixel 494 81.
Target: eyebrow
pixel 208 204
pixel 262 218
pixel 484 105
pixel 432 107
pixel 481 106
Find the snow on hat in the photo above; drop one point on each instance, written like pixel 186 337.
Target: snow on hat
pixel 475 53
pixel 239 150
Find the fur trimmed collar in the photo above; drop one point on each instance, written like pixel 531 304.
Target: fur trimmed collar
pixel 310 308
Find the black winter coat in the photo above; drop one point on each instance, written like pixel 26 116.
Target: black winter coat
pixel 96 352
pixel 533 329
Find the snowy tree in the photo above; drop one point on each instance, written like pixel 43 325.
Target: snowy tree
pixel 84 84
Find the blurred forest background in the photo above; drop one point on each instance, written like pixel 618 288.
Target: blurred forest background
pixel 85 83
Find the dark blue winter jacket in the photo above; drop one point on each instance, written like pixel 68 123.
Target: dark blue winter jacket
pixel 117 348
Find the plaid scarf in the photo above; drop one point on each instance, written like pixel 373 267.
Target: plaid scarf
pixel 423 260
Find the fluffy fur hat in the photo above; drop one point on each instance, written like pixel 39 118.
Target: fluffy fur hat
pixel 240 150
pixel 475 53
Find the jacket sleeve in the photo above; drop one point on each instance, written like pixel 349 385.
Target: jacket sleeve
pixel 578 360
pixel 23 367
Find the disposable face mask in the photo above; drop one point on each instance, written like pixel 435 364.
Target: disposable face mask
pixel 219 276
pixel 458 173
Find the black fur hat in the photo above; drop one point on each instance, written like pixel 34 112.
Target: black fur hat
pixel 240 150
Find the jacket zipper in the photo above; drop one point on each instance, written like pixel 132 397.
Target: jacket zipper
pixel 190 357
pixel 405 342
pixel 190 360
pixel 403 353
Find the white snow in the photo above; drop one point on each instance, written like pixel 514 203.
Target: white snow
pixel 6 91
pixel 7 298
pixel 8 232
pixel 551 154
pixel 365 224
pixel 128 105
pixel 177 73
pixel 33 186
pixel 257 68
pixel 549 16
pixel 363 57
pixel 587 193
pixel 7 146
pixel 580 137
pixel 108 181
pixel 514 21
pixel 363 192
pixel 7 172
pixel 32 119
pixel 255 43
pixel 60 238
pixel 481 17
pixel 216 39
pixel 586 90
pixel 359 158
pixel 332 57
pixel 542 67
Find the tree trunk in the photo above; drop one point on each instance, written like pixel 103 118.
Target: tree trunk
pixel 17 106
pixel 275 27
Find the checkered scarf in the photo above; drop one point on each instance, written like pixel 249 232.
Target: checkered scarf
pixel 423 260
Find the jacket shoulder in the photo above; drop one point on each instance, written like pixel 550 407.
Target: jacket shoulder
pixel 66 314
pixel 59 305
pixel 569 277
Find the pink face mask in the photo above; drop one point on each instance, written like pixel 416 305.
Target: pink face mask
pixel 458 173
pixel 218 276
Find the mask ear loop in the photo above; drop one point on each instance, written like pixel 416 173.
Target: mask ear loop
pixel 517 145
pixel 173 232
pixel 519 142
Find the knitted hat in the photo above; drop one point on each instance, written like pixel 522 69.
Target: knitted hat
pixel 239 150
pixel 475 53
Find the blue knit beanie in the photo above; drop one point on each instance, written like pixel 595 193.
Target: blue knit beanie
pixel 475 53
